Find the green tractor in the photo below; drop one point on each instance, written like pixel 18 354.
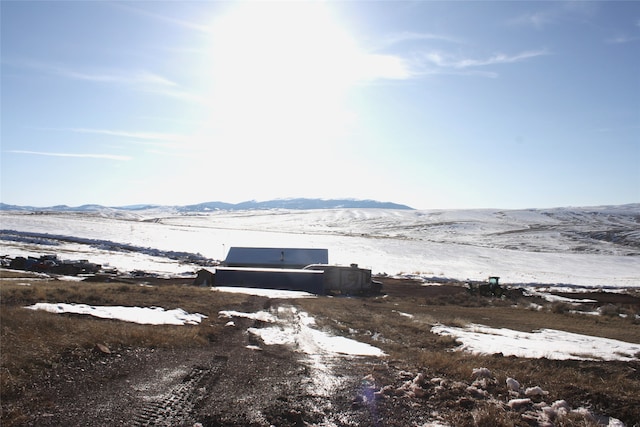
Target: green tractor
pixel 490 289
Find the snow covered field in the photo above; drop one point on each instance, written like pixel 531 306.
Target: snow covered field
pixel 554 249
pixel 593 247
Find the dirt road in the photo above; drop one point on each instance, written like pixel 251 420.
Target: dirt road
pixel 237 381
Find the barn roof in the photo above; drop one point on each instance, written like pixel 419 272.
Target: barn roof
pixel 275 257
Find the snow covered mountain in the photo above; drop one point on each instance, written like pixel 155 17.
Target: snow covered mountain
pixel 591 246
pixel 295 203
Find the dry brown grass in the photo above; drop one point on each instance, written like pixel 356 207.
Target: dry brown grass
pixel 18 274
pixel 383 315
pixel 32 340
pixel 607 387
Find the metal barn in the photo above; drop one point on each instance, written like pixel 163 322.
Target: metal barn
pixel 299 269
pixel 292 258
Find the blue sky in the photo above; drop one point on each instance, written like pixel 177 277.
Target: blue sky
pixel 431 104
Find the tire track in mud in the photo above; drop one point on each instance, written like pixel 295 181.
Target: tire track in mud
pixel 176 407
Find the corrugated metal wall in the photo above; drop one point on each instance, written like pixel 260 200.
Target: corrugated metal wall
pixel 295 280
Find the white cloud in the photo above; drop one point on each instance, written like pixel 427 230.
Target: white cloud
pixel 499 58
pixel 115 76
pixel 455 65
pixel 102 76
pixel 448 61
pixel 76 155
pixel 450 72
pixel 140 80
pixel 155 139
pixel 408 36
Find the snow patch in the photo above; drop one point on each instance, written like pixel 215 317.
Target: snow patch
pixel 262 316
pixel 410 316
pixel 556 298
pixel 269 293
pixel 295 328
pixel 142 315
pixel 549 343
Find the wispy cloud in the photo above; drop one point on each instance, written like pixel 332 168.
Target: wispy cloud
pixel 143 81
pixel 164 18
pixel 75 155
pixel 451 72
pixel 411 36
pixel 130 77
pixel 155 139
pixel 124 77
pixel 152 136
pixel 443 63
pixel 555 12
pixel 398 66
pixel 537 19
pixel 176 93
pixel 455 63
pixel 139 80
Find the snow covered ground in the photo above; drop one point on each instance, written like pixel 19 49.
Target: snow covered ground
pixel 294 328
pixel 593 247
pixel 549 343
pixel 142 315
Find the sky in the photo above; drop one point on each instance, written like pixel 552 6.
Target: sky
pixel 426 103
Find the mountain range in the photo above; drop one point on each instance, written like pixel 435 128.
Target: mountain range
pixel 295 203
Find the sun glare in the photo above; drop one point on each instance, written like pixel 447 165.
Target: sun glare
pixel 282 48
pixel 282 69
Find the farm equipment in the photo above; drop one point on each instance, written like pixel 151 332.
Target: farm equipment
pixel 52 264
pixel 490 289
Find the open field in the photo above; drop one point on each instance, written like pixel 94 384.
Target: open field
pixel 68 369
pixel 593 247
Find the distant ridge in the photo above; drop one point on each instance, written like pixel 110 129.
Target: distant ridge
pixel 296 204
